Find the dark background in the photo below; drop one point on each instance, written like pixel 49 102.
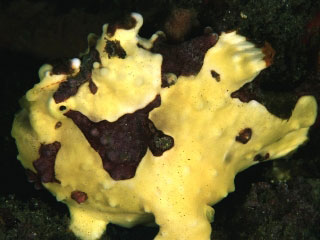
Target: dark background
pixel 274 200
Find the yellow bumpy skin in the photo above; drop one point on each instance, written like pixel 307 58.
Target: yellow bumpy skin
pixel 140 131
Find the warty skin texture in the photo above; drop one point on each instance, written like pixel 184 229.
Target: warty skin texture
pixel 215 136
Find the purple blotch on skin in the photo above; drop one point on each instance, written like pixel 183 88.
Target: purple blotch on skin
pixel 70 87
pixel 114 49
pixel 128 22
pixel 79 197
pixel 246 93
pixel 45 163
pixel 183 59
pixel 244 135
pixel 122 144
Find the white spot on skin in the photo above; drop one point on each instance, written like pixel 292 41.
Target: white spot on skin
pixel 113 202
pixel 108 185
pixel 186 171
pixel 47 73
pixel 98 197
pixel 85 166
pixel 104 71
pixel 200 105
pixel 147 209
pixel 96 65
pixel 139 82
pixel 217 132
pixel 214 172
pixel 75 63
pixel 181 189
pixel 171 78
pixel 193 223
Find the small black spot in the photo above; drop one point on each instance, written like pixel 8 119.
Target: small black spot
pixel 215 75
pixel 62 108
pixel 261 158
pixel 58 124
pixel 258 158
pixel 244 135
pixel 266 156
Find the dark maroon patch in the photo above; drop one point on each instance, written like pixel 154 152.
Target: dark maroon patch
pixel 215 75
pixel 126 23
pixel 266 156
pixel 244 135
pixel 258 158
pixel 34 178
pixel 45 163
pixel 185 58
pixel 70 87
pixel 247 92
pixel 93 87
pixel 58 125
pixel 123 143
pixel 269 53
pixel 261 158
pixel 278 103
pixel 114 49
pixel 79 196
